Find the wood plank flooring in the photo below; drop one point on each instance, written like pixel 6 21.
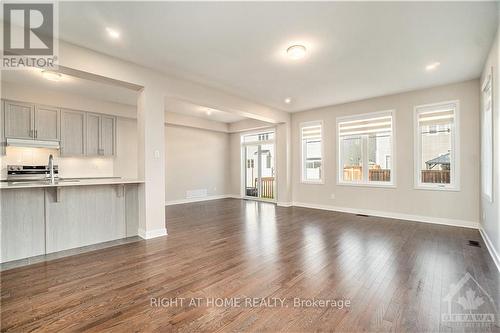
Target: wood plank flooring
pixel 394 273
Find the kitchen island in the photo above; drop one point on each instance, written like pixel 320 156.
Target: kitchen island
pixel 40 217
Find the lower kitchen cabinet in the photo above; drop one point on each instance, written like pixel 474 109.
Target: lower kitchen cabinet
pixel 39 221
pixel 23 223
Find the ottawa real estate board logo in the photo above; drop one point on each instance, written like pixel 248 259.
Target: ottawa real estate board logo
pixel 29 35
pixel 467 304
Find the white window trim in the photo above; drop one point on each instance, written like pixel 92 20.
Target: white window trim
pixel 455 150
pixel 321 181
pixel 392 183
pixel 488 81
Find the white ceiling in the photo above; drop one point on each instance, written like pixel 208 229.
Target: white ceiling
pixel 355 50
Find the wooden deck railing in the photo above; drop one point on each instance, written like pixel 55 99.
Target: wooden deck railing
pixel 436 176
pixel 267 189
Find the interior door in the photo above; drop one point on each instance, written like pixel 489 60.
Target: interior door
pixel 252 171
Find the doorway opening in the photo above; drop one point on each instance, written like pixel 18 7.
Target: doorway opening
pixel 259 166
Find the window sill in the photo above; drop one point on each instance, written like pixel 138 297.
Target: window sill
pixel 376 185
pixel 437 188
pixel 312 182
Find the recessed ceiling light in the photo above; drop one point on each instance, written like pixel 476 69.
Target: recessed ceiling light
pixel 113 33
pixel 288 100
pixel 51 75
pixel 433 66
pixel 296 52
pixel 208 112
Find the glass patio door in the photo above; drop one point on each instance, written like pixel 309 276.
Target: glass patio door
pixel 259 165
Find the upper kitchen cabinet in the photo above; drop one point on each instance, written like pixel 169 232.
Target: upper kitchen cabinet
pixel 2 132
pixel 47 123
pixel 100 135
pixel 107 135
pixel 27 121
pixel 72 133
pixel 19 120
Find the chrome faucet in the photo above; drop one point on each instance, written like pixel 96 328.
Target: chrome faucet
pixel 51 168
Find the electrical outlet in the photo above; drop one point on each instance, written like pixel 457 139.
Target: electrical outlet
pixel 332 196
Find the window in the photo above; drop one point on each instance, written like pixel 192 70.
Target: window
pixel 365 151
pixel 487 140
pixel 436 146
pixel 312 152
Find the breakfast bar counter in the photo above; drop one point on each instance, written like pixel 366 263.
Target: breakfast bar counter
pixel 39 217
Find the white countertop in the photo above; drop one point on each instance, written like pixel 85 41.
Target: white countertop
pixel 68 182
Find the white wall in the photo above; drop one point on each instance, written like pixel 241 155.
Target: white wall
pixel 124 164
pixel 461 207
pixel 490 222
pixel 196 159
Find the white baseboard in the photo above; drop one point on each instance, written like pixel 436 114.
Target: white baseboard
pixel 392 215
pixel 491 248
pixel 152 233
pixel 284 204
pixel 190 200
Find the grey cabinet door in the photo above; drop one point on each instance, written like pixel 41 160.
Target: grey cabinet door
pixel 93 133
pixel 72 133
pixel 19 120
pixel 107 136
pixel 2 132
pixel 47 123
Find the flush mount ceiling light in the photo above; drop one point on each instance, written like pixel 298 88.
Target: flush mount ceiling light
pixel 296 52
pixel 432 66
pixel 51 75
pixel 288 100
pixel 113 33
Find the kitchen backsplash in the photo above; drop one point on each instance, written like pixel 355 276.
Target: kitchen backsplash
pixel 68 166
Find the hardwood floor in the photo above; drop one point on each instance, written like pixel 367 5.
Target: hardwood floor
pixel 394 273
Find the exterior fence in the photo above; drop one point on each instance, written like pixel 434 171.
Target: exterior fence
pixel 355 173
pixel 436 176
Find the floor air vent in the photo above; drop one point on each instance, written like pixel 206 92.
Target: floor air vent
pixel 474 243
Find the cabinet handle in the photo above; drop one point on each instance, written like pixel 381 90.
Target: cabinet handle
pixel 31 134
pixel 36 133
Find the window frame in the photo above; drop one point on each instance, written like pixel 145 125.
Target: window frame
pixel 320 181
pixel 454 153
pixel 488 82
pixel 364 145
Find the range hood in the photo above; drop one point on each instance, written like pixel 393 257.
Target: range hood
pixel 32 143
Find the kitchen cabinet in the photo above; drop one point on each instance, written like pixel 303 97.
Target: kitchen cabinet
pixel 23 223
pixel 92 122
pixel 19 120
pixel 72 133
pixel 27 121
pixel 107 135
pixel 2 132
pixel 101 135
pixel 47 123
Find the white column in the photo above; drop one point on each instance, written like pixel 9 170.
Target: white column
pixel 151 157
pixel 283 164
